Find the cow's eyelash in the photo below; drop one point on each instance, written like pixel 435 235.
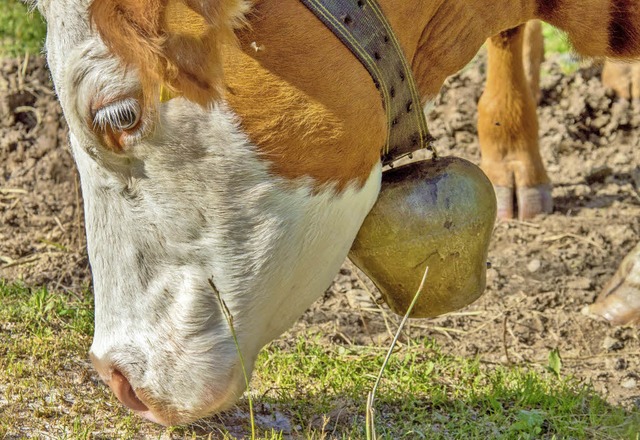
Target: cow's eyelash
pixel 120 115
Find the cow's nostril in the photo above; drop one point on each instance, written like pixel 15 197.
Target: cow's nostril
pixel 124 392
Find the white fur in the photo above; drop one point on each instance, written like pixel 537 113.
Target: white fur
pixel 189 199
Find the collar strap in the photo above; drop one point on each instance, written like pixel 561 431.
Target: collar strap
pixel 363 28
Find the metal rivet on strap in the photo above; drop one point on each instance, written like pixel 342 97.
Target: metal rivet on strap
pixel 363 28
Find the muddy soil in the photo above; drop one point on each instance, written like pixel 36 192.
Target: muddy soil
pixel 41 234
pixel 543 271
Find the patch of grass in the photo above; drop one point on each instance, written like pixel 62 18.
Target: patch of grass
pixel 556 45
pixel 555 41
pixel 305 390
pixel 428 394
pixel 20 30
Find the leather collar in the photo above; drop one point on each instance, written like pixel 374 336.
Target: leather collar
pixel 363 28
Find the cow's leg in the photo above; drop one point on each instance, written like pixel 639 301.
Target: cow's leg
pixel 533 55
pixel 619 301
pixel 508 128
pixel 623 78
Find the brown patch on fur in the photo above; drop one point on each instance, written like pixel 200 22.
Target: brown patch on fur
pixel 623 27
pixel 453 32
pixel 175 43
pixel 303 99
pixel 546 8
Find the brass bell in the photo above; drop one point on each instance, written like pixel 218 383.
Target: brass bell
pixel 438 213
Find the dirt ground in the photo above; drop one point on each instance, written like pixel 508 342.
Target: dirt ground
pixel 543 271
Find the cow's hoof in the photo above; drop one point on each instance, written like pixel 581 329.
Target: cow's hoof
pixel 526 203
pixel 619 301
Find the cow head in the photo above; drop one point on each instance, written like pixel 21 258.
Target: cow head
pixel 176 194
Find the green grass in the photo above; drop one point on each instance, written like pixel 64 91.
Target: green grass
pixel 555 41
pixel 429 394
pixel 557 46
pixel 20 30
pixel 47 386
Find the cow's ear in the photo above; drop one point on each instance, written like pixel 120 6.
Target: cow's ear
pixel 175 44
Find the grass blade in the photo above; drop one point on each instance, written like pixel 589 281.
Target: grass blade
pixel 370 416
pixel 229 317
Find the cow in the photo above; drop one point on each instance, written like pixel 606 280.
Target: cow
pixel 239 142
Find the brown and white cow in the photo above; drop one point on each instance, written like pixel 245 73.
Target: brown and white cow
pixel 257 173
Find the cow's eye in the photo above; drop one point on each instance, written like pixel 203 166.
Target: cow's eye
pixel 118 116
